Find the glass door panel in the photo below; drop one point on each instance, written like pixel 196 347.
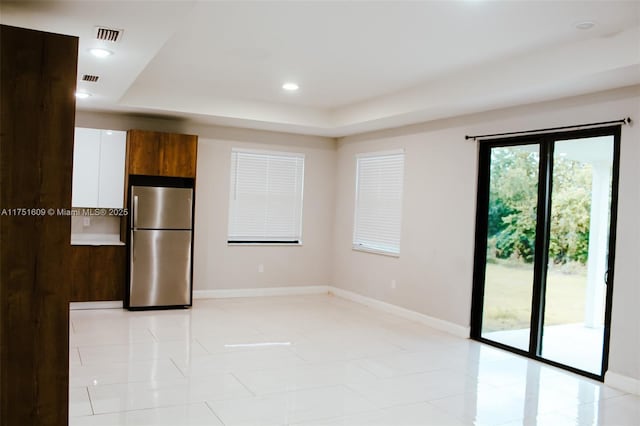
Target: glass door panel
pixel 574 303
pixel 511 237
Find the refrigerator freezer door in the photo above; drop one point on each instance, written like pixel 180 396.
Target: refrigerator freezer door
pixel 161 207
pixel 160 268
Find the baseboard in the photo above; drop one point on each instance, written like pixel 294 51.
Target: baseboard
pixel 79 306
pixel 624 383
pixel 436 323
pixel 259 292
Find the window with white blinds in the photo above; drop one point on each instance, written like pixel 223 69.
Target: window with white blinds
pixel 265 199
pixel 378 213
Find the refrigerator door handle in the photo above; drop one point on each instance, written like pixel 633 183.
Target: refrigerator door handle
pixel 133 251
pixel 135 211
pixel 132 258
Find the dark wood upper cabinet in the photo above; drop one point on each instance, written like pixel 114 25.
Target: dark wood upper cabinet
pixel 143 152
pixel 161 154
pixel 179 154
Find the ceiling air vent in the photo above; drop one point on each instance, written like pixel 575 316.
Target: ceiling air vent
pixel 91 78
pixel 108 34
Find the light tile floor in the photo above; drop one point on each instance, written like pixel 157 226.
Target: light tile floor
pixel 312 360
pixel 575 345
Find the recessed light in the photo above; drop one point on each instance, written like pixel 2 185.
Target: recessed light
pixel 82 95
pixel 100 53
pixel 291 87
pixel 585 25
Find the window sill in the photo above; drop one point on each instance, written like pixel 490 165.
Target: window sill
pixel 264 244
pixel 374 251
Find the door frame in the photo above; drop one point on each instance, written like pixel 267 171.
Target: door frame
pixel 546 141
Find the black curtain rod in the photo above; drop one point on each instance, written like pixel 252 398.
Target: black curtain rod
pixel 579 126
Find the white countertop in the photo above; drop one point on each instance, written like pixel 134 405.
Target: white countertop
pixel 96 240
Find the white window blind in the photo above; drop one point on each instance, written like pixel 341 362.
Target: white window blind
pixel 378 212
pixel 265 200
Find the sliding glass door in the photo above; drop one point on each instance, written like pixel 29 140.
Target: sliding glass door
pixel 510 244
pixel 544 246
pixel 575 299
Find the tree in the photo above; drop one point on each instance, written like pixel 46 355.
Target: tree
pixel 570 212
pixel 513 201
pixel 513 195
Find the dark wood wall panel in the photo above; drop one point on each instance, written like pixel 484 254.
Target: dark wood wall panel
pixel 38 79
pixel 97 273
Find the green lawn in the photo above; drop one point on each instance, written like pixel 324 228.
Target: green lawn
pixel 507 297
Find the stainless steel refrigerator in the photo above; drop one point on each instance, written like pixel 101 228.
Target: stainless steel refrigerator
pixel 160 248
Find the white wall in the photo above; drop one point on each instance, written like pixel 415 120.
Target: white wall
pixel 433 272
pixel 218 266
pixel 435 268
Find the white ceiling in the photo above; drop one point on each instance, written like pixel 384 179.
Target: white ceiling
pixel 361 65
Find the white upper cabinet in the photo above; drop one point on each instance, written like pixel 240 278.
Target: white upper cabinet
pixel 113 147
pixel 86 158
pixel 98 168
